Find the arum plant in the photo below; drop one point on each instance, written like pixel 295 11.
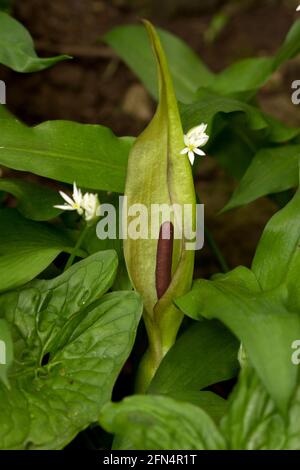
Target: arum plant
pixel 86 205
pixel 159 173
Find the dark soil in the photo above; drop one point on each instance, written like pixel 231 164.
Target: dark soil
pixel 95 87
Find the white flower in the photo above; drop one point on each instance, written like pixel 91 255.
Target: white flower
pixel 74 204
pixel 298 8
pixel 195 138
pixel 90 205
pixel 87 204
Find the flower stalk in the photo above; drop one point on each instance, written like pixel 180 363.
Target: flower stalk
pixel 87 206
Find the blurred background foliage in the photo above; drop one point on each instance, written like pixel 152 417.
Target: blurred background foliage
pixel 97 87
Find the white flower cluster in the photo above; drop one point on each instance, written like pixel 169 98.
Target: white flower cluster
pixel 86 204
pixel 195 138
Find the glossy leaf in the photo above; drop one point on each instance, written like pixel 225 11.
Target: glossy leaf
pixel 65 151
pixel 26 248
pixel 271 171
pixel 161 423
pixel 70 343
pixel 263 321
pixel 214 405
pixel 277 261
pixel 243 78
pixel 35 202
pixel 187 70
pixel 209 105
pixel 248 75
pixel 17 48
pixel 254 423
pixel 232 150
pixel 204 355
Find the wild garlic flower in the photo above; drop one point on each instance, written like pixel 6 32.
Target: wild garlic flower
pixel 90 205
pixel 195 138
pixel 74 204
pixel 86 205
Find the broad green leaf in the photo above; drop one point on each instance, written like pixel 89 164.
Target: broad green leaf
pixel 45 305
pixel 279 132
pixel 26 248
pixel 214 405
pixel 208 105
pixel 253 421
pixel 202 356
pixel 70 345
pixel 248 75
pixel 243 78
pixel 187 70
pixel 66 151
pixel 6 351
pixel 263 321
pixel 271 171
pixel 158 175
pixel 276 261
pixel 17 48
pixel 209 402
pixel 233 148
pixel 35 202
pixel 161 423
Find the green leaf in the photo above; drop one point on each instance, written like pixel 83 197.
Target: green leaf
pixel 253 421
pixel 70 345
pixel 271 171
pixel 65 151
pixel 243 78
pixel 263 321
pixel 17 48
pixel 233 142
pixel 187 70
pixel 202 356
pixel 277 261
pixel 26 248
pixel 6 351
pixel 35 201
pixel 278 131
pixel 248 75
pixel 161 423
pixel 214 405
pixel 208 105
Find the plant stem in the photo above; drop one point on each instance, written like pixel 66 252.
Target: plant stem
pixel 214 246
pixel 73 255
pixel 151 360
pixel 216 250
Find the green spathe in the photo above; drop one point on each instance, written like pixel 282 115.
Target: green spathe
pixel 158 174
